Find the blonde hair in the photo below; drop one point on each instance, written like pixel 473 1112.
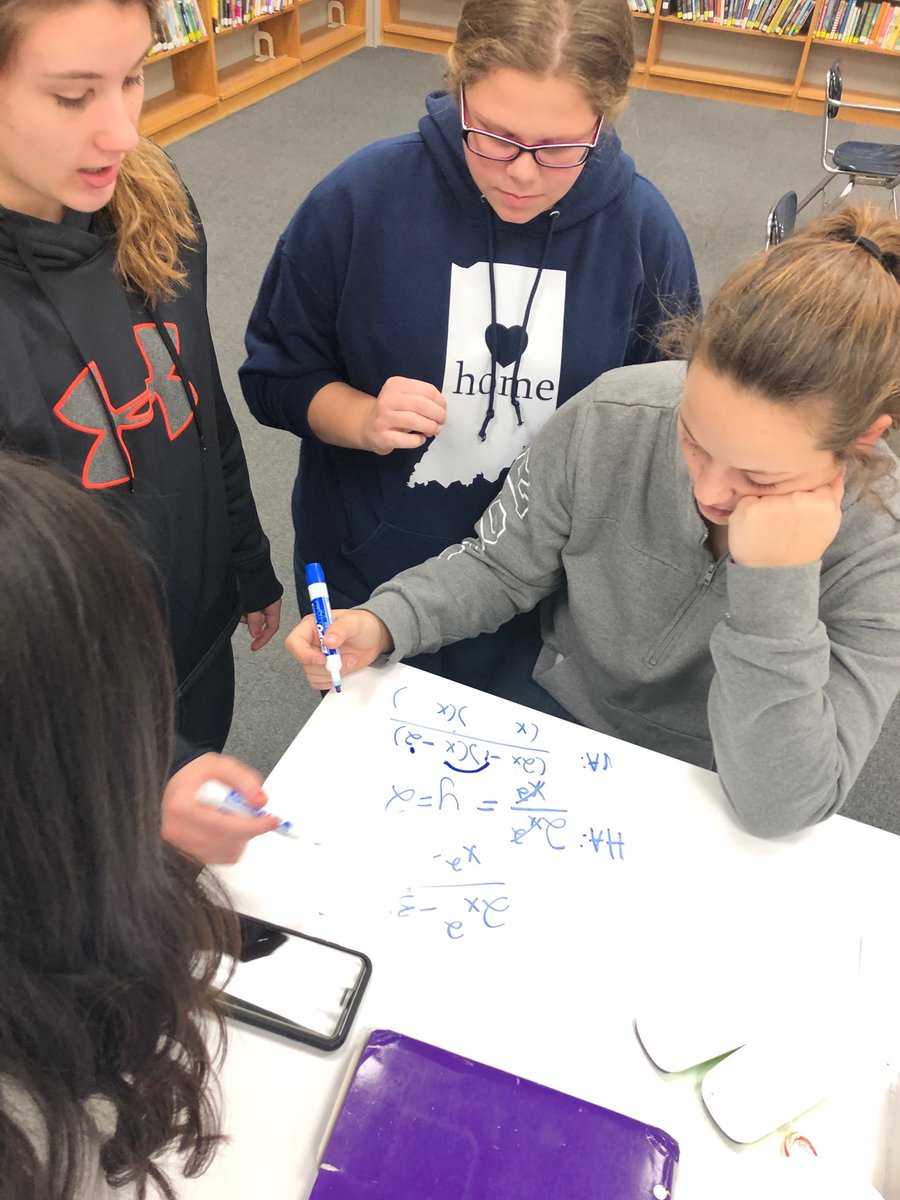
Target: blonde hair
pixel 815 322
pixel 149 216
pixel 152 223
pixel 590 42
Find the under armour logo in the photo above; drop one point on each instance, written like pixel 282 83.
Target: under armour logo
pixel 85 404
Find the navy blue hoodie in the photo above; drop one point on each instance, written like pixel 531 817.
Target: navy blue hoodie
pixel 395 265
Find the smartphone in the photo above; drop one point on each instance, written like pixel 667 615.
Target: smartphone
pixel 296 985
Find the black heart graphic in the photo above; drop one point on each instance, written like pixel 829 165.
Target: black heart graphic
pixel 506 345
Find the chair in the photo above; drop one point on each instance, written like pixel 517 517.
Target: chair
pixel 875 164
pixel 782 217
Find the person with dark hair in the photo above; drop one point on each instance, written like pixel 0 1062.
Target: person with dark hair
pixel 716 549
pixel 439 295
pixel 109 367
pixel 109 942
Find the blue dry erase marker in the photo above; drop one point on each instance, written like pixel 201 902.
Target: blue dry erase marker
pixel 225 799
pixel 321 606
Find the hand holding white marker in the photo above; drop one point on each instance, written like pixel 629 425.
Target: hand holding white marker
pixel 321 606
pixel 225 799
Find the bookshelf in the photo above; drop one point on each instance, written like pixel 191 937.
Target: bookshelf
pixel 196 84
pixel 702 58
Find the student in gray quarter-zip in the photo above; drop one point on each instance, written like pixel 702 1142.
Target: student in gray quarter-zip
pixel 769 650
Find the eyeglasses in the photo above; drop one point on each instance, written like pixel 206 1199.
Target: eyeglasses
pixel 549 154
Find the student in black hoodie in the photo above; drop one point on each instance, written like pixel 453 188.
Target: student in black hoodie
pixel 109 367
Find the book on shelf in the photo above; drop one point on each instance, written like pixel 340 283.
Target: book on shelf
pixel 879 24
pixel 864 25
pixel 779 21
pixel 828 18
pixel 882 17
pixel 232 14
pixel 873 23
pixel 889 28
pixel 767 16
pixel 177 23
pixel 837 19
pixel 784 18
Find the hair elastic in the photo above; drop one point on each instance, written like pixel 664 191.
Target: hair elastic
pixel 889 260
pixel 870 247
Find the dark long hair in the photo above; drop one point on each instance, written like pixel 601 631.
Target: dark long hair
pixel 108 940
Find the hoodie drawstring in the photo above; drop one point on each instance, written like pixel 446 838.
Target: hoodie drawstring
pixel 182 374
pixel 523 336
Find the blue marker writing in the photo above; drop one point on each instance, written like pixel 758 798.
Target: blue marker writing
pixel 225 799
pixel 321 606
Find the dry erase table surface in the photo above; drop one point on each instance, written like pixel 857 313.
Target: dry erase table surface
pixel 522 886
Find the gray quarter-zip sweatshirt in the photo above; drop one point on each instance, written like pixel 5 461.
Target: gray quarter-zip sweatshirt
pixel 779 678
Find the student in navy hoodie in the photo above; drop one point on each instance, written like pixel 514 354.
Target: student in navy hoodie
pixel 109 367
pixel 440 294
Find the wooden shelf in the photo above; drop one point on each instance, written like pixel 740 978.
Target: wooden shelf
pixel 205 88
pixel 811 92
pixel 322 40
pixel 768 69
pixel 162 55
pixel 407 35
pixel 172 108
pixel 417 29
pixel 248 73
pixel 840 47
pixel 221 74
pixel 706 75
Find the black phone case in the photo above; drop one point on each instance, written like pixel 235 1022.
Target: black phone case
pixel 259 938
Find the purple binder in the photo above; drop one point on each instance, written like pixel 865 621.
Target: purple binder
pixel 420 1123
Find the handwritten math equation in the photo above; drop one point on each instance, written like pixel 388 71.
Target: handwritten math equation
pixel 505 784
pixel 460 904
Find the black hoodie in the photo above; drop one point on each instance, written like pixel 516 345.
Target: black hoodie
pixel 132 404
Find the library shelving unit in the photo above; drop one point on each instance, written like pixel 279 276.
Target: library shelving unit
pixel 197 84
pixel 702 58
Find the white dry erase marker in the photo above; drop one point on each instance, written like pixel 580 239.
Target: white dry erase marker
pixel 220 796
pixel 321 606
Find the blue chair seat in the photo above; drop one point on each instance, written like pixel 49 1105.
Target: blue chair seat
pixel 867 158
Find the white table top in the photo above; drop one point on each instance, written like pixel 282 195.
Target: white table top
pixel 592 916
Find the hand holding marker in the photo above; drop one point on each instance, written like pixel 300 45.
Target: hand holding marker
pixel 321 606
pixel 220 796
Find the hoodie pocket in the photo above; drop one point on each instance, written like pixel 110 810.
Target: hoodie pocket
pixel 389 549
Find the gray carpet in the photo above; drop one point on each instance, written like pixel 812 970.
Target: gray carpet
pixel 720 165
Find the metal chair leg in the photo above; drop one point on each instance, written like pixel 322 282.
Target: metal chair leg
pixel 845 192
pixel 820 187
